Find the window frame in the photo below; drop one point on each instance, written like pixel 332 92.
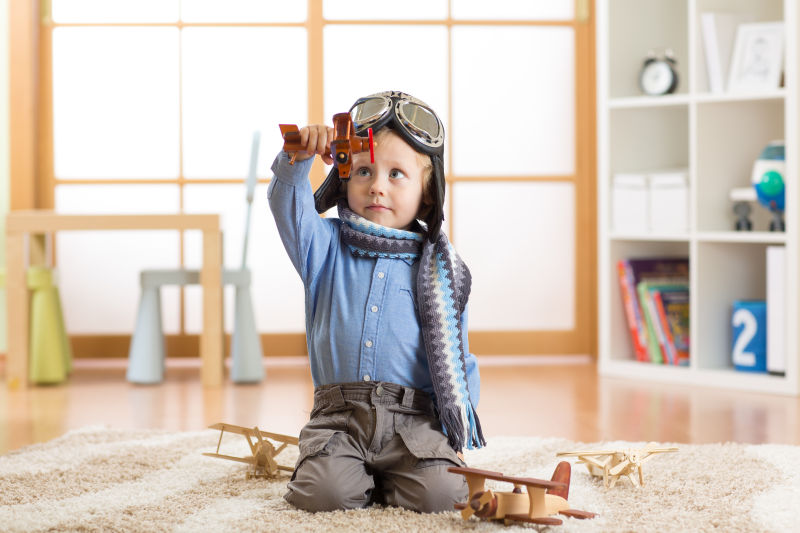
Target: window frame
pixel 33 182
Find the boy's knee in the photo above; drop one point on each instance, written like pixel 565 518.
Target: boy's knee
pixel 323 483
pixel 443 493
pixel 434 491
pixel 325 495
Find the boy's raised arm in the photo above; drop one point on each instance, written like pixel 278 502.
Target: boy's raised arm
pixel 306 237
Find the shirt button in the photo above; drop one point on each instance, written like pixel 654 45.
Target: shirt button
pixel 368 344
pixel 366 377
pixel 374 308
pixel 381 275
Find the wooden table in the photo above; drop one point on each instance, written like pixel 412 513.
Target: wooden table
pixel 20 224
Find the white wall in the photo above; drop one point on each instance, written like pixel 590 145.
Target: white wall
pixel 4 178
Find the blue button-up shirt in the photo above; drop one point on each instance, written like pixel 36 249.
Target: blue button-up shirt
pixel 362 321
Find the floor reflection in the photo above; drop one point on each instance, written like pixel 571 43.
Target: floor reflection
pixel 530 399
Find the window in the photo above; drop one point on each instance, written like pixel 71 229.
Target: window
pixel 154 103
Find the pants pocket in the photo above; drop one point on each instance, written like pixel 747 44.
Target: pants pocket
pixel 425 440
pixel 317 433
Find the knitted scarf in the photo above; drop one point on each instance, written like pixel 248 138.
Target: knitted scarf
pixel 443 285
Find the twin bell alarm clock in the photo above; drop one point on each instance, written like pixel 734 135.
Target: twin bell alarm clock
pixel 659 75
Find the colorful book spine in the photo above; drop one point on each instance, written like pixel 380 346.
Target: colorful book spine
pixel 669 342
pixel 676 309
pixel 632 311
pixel 655 338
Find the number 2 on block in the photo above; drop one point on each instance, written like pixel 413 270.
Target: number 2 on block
pixel 743 317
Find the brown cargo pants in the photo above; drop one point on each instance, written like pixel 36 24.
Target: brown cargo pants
pixel 371 442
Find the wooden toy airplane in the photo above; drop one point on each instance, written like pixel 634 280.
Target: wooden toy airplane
pixel 611 465
pixel 543 498
pixel 264 452
pixel 345 143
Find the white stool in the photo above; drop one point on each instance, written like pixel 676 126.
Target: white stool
pixel 148 350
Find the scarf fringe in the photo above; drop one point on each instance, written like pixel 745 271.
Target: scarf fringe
pixel 462 427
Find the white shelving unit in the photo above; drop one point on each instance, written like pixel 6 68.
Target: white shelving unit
pixel 717 137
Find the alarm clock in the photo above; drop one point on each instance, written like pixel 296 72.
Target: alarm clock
pixel 658 75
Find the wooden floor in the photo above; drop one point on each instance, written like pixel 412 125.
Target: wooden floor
pixel 541 397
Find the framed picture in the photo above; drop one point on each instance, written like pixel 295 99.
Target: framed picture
pixel 757 62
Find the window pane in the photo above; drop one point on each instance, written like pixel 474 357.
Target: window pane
pixel 235 81
pixel 527 97
pixel 537 288
pixel 115 102
pixel 372 10
pixel 243 11
pixel 99 270
pixel 276 290
pixel 115 10
pixel 513 9
pixel 394 65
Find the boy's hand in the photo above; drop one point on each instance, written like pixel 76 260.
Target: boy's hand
pixel 316 139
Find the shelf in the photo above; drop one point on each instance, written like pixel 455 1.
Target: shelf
pixel 633 102
pixel 717 138
pixel 677 237
pixel 677 100
pixel 716 378
pixel 778 94
pixel 766 237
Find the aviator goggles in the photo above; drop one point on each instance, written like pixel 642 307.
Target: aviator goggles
pixel 409 116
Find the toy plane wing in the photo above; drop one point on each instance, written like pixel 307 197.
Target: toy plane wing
pixel 248 460
pixel 288 128
pixel 587 453
pixel 248 432
pixel 648 449
pixel 497 476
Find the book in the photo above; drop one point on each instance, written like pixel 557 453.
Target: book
pixel 630 304
pixel 632 271
pixel 719 36
pixel 661 346
pixel 669 345
pixel 776 310
pixel 672 305
pixel 655 337
pixel 676 311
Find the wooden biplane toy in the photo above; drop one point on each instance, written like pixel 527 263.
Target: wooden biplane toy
pixel 264 451
pixel 541 500
pixel 614 464
pixel 345 143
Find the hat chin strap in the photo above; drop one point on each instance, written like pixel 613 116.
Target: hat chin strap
pixel 329 193
pixel 436 215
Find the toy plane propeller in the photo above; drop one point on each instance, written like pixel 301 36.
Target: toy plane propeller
pixel 542 499
pixel 264 451
pixel 613 464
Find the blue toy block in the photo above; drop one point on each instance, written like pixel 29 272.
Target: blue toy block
pixel 749 346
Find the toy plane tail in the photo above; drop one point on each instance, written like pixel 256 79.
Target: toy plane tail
pixel 561 475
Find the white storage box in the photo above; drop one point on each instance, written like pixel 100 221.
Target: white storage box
pixel 669 201
pixel 629 203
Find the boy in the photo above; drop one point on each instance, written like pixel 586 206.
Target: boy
pixel 386 320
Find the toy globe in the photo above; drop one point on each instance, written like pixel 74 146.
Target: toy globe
pixel 767 179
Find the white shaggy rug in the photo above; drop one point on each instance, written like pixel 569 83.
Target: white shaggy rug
pixel 98 479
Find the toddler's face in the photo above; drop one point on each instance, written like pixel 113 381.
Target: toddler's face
pixel 388 191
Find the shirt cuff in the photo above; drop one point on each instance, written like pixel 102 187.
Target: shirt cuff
pixel 288 173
